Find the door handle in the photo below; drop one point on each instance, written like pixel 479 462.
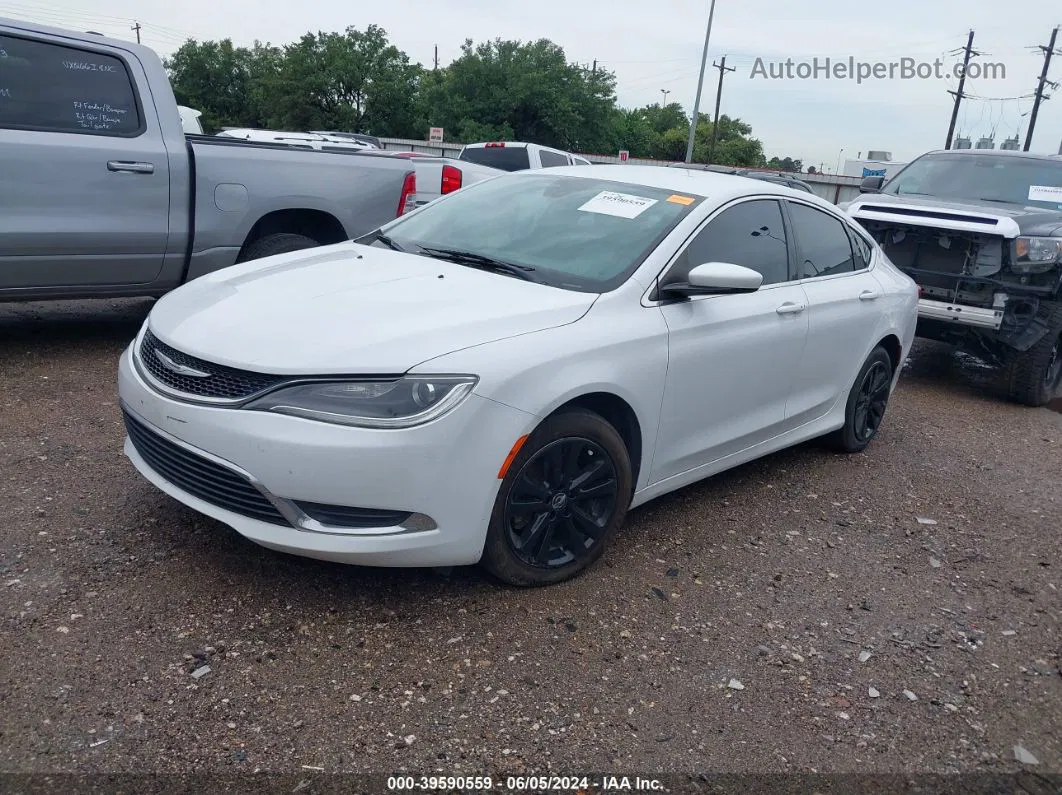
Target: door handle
pixel 789 308
pixel 131 166
pixel 869 295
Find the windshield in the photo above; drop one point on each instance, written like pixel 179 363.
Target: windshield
pixel 507 158
pixel 1023 181
pixel 577 233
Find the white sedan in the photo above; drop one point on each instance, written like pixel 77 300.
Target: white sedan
pixel 499 376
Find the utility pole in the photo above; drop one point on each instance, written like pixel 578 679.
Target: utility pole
pixel 594 70
pixel 136 27
pixel 959 96
pixel 1048 52
pixel 436 57
pixel 723 69
pixel 700 84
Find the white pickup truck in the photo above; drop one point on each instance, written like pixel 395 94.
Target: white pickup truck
pixel 517 156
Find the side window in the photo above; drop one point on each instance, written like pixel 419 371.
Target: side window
pixel 49 87
pixel 751 234
pixel 822 241
pixel 550 159
pixel 861 249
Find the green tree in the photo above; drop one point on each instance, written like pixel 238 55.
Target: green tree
pixel 734 145
pixel 785 164
pixel 219 79
pixel 523 91
pixel 356 81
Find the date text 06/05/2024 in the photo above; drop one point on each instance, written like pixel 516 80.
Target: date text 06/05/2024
pixel 580 785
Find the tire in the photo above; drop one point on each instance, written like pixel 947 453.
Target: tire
pixel 1035 375
pixel 280 243
pixel 530 494
pixel 867 401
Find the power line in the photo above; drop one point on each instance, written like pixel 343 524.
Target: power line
pixel 958 93
pixel 700 85
pixel 1049 50
pixel 723 69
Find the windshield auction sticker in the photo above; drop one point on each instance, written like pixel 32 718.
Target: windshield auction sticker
pixel 621 205
pixel 1045 193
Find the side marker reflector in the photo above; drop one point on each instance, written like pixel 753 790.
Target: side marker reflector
pixel 512 455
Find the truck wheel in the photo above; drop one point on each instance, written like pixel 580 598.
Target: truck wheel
pixel 280 243
pixel 1036 375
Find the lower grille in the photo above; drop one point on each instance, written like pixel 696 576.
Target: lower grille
pixel 200 476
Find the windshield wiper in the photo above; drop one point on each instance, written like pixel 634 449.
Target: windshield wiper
pixel 995 201
pixel 387 241
pixel 481 261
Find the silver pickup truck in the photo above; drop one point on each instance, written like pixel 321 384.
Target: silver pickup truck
pixel 102 194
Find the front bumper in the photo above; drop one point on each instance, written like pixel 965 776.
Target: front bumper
pixel 442 477
pixel 960 314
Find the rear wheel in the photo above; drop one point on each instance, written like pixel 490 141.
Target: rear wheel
pixel 1036 374
pixel 561 501
pixel 279 243
pixel 867 401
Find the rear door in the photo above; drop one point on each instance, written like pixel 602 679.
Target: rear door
pixel 843 309
pixel 84 183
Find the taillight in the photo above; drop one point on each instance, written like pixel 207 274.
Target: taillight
pixel 451 179
pixel 495 145
pixel 408 200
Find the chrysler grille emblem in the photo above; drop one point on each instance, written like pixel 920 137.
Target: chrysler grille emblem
pixel 180 369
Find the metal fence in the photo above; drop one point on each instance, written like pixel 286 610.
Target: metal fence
pixel 831 187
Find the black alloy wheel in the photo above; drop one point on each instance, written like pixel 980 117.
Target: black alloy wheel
pixel 867 401
pixel 561 502
pixel 871 401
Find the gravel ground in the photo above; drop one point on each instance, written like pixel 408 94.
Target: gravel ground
pixel 892 611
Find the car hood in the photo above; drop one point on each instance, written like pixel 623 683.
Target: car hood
pixel 1025 220
pixel 351 308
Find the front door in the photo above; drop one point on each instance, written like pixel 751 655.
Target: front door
pixel 732 359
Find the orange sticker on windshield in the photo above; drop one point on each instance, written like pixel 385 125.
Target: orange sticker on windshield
pixel 676 199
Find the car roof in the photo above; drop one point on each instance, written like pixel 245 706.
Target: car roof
pixel 711 184
pixel 992 153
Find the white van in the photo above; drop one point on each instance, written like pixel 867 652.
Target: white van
pixel 517 156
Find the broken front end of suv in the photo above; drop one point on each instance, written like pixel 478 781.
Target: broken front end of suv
pixel 995 296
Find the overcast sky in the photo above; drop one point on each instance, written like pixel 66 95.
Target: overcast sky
pixel 657 46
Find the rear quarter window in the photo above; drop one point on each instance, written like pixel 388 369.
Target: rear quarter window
pixel 506 158
pixel 49 87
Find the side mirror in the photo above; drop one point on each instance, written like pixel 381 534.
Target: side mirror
pixel 871 184
pixel 716 278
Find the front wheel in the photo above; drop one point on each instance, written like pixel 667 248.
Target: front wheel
pixel 1036 375
pixel 563 498
pixel 867 401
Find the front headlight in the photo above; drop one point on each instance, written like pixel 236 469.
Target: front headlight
pixel 400 403
pixel 1037 254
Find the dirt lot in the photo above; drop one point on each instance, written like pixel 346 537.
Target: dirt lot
pixel 771 619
